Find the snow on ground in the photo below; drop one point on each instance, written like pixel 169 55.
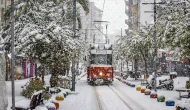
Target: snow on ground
pixel 108 99
pixel 86 97
pixel 84 100
pixel 142 100
pixel 18 89
pixel 148 103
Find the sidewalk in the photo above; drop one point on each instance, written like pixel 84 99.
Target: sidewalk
pixel 145 100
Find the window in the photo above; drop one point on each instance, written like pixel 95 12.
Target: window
pixel 134 2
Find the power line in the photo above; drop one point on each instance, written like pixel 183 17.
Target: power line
pixel 103 7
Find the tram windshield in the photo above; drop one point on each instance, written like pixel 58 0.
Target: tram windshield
pixel 101 59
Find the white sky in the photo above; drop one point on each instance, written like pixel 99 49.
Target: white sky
pixel 114 12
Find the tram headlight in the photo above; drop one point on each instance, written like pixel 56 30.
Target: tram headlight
pixel 100 73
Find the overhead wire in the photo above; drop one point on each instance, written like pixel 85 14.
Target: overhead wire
pixel 103 7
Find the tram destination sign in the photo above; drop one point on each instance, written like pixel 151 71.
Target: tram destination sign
pixel 101 51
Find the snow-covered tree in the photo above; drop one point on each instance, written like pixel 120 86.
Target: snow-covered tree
pixel 134 46
pixel 173 27
pixel 43 31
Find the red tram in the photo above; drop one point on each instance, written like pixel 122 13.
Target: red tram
pixel 100 70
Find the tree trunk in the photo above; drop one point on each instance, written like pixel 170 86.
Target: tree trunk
pixel 127 66
pixel 7 66
pixel 36 74
pixel 132 65
pixel 54 77
pixel 67 71
pixel 135 67
pixel 146 67
pixel 43 73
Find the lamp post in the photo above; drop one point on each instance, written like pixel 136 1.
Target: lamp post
pixel 73 53
pixel 12 54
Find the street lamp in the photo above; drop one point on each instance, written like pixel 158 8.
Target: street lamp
pixel 12 54
pixel 73 52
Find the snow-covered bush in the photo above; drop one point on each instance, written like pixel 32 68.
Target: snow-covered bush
pixel 32 87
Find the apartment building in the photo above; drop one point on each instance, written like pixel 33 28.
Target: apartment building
pixel 91 27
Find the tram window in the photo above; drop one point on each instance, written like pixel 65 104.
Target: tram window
pixel 101 59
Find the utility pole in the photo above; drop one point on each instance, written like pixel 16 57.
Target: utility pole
pixel 155 43
pixel 106 34
pixel 73 53
pixel 12 54
pixel 121 59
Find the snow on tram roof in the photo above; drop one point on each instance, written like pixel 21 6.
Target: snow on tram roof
pixel 101 46
pixel 100 65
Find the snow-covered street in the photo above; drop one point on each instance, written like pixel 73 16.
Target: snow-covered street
pixel 117 96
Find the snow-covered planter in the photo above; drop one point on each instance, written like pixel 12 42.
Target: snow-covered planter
pixel 59 97
pixel 50 106
pixel 119 79
pixel 143 89
pixel 124 82
pixel 170 102
pixel 63 92
pixel 54 90
pixel 147 92
pixel 153 94
pixel 56 103
pixel 161 98
pixel 129 84
pixel 138 88
pixel 132 85
pixel 68 91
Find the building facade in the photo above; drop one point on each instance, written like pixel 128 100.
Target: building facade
pixel 131 9
pixel 91 27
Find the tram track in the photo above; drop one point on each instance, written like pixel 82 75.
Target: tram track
pixel 132 104
pixel 101 104
pixel 127 101
pixel 124 102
